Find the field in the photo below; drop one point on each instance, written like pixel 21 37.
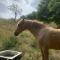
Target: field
pixel 25 42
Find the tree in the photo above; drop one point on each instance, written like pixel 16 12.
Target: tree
pixel 43 11
pixel 54 8
pixel 49 10
pixel 23 17
pixel 32 15
pixel 15 9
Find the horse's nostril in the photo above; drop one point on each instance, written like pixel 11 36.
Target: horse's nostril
pixel 15 34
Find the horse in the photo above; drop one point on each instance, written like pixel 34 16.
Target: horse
pixel 47 36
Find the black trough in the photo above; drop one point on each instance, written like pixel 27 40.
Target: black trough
pixel 10 55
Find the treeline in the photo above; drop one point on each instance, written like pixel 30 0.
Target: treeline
pixel 47 11
pixel 30 16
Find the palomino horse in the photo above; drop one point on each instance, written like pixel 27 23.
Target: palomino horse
pixel 48 37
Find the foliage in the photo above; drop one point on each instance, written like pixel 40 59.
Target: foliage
pixel 49 10
pixel 9 43
pixel 43 11
pixel 55 11
pixel 32 15
pixel 23 17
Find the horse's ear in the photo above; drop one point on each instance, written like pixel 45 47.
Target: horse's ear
pixel 23 20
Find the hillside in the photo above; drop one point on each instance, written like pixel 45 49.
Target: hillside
pixel 25 42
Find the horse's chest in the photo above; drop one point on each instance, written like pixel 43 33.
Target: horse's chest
pixel 43 35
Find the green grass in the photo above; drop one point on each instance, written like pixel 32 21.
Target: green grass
pixel 25 42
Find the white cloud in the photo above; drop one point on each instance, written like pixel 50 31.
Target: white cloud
pixel 24 4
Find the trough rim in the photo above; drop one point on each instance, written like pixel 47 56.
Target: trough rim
pixel 18 53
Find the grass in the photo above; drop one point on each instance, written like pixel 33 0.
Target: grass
pixel 25 42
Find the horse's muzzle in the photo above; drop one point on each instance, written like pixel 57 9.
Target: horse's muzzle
pixel 15 34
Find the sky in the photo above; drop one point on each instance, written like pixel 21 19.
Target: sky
pixel 27 7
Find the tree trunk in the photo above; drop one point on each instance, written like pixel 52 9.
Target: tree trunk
pixel 15 16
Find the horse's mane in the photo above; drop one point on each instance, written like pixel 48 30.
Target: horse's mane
pixel 38 22
pixel 35 22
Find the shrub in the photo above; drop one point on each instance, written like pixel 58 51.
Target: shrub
pixel 9 43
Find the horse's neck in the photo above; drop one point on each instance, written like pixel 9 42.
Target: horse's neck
pixel 35 29
pixel 35 32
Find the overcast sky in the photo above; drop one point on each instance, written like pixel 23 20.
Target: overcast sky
pixel 27 5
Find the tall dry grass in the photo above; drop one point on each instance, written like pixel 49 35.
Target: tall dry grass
pixel 25 42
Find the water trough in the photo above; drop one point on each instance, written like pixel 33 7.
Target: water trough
pixel 10 55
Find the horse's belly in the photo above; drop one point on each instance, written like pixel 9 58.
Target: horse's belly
pixel 54 40
pixel 54 44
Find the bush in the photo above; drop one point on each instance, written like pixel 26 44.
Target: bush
pixel 9 43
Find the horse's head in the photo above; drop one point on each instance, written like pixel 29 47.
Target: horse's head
pixel 32 26
pixel 20 27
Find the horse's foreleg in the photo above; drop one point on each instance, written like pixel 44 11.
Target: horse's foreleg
pixel 45 54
